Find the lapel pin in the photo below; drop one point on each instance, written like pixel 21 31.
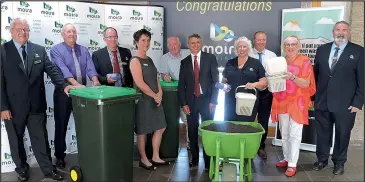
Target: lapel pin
pixel 351 56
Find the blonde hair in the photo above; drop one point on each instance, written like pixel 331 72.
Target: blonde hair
pixel 245 40
pixel 287 39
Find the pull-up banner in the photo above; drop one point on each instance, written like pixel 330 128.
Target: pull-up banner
pixel 219 23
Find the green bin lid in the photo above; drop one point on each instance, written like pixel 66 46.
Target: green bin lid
pixel 173 83
pixel 102 92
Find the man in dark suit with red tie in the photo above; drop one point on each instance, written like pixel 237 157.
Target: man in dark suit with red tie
pixel 113 59
pixel 197 92
pixel 339 73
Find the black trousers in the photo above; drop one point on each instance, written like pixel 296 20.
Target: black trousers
pixel 62 112
pixel 344 122
pixel 200 107
pixel 36 124
pixel 263 113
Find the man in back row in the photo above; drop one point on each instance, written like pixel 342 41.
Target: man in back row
pixel 265 97
pixel 170 68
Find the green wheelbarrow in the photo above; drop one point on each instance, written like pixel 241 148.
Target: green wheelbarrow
pixel 231 147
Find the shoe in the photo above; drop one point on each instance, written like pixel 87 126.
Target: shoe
pixel 339 169
pixel 23 176
pixel 143 165
pixel 193 164
pixel 291 171
pixel 161 163
pixel 262 154
pixel 282 163
pixel 60 163
pixel 318 166
pixel 55 176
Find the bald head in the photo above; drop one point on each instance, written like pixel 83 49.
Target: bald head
pixel 174 45
pixel 69 34
pixel 19 30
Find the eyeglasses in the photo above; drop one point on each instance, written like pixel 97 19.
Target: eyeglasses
pixel 20 30
pixel 291 45
pixel 112 37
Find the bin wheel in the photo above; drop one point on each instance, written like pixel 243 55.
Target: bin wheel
pixel 75 174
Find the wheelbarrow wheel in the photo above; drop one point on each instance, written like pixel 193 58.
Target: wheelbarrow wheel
pixel 75 174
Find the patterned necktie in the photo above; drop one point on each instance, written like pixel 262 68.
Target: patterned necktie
pixel 77 67
pixel 116 68
pixel 196 76
pixel 24 54
pixel 260 57
pixel 334 59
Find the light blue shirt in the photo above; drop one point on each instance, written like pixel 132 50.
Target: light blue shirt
pixel 171 64
pixel 19 49
pixel 333 50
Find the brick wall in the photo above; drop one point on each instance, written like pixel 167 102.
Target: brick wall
pixel 357 22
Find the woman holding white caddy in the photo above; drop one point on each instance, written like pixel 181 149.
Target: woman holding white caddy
pixel 242 71
pixel 290 107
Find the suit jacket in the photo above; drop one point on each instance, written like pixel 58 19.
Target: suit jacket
pixel 208 76
pixel 103 65
pixel 23 92
pixel 343 87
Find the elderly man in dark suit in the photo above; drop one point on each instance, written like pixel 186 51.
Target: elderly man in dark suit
pixel 339 73
pixel 197 92
pixel 113 59
pixel 23 100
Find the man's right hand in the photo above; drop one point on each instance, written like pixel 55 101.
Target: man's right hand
pixel 110 80
pixel 186 109
pixel 6 115
pixel 166 77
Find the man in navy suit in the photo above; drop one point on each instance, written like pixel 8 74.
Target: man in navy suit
pixel 339 73
pixel 23 99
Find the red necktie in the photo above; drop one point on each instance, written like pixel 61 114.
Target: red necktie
pixel 116 68
pixel 196 75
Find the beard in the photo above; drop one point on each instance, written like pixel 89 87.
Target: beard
pixel 340 39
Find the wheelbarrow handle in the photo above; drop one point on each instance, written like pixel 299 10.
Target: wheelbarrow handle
pixel 242 86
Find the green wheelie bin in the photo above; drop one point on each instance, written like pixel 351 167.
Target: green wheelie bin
pixel 169 147
pixel 104 120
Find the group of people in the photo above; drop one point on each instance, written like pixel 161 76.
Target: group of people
pixel 336 81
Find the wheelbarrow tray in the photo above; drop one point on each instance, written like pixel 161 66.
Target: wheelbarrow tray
pixel 230 142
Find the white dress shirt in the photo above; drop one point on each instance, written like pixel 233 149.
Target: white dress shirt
pixel 198 59
pixel 266 55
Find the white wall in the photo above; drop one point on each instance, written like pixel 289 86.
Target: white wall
pixel 339 3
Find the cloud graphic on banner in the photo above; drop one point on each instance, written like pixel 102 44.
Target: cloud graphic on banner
pixel 223 33
pixel 292 26
pixel 325 21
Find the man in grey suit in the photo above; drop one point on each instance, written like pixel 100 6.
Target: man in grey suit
pixel 23 100
pixel 197 92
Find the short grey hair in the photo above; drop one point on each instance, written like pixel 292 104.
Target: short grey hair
pixel 104 32
pixel 341 22
pixel 18 19
pixel 63 27
pixel 178 40
pixel 245 40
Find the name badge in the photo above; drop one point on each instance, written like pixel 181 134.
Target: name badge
pixel 36 55
pixel 37 61
pixel 124 63
pixel 145 64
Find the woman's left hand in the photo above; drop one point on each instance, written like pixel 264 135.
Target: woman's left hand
pixel 251 85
